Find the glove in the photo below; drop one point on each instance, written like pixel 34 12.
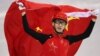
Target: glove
pixel 20 5
pixel 95 12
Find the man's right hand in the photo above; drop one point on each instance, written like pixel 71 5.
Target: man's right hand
pixel 23 13
pixel 20 6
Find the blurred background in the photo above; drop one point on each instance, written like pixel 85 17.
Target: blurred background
pixel 89 47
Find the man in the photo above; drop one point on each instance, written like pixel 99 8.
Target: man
pixel 57 41
pixel 18 39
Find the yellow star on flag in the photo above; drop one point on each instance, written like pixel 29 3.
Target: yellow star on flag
pixel 72 18
pixel 38 29
pixel 69 19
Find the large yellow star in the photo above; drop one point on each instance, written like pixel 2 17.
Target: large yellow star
pixel 38 29
pixel 72 18
pixel 69 19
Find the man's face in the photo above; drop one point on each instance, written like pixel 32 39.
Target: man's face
pixel 59 26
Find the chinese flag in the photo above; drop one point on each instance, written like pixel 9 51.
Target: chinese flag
pixel 21 44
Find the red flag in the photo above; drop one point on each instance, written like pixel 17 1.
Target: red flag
pixel 21 44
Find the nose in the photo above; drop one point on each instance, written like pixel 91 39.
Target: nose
pixel 60 24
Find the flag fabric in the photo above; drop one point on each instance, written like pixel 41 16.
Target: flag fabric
pixel 21 44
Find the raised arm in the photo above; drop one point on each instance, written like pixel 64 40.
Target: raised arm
pixel 86 34
pixel 39 36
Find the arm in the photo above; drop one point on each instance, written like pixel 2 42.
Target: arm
pixel 85 35
pixel 39 36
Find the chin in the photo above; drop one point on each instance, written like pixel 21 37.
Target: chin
pixel 59 32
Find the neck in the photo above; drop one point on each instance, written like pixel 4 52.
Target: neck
pixel 59 34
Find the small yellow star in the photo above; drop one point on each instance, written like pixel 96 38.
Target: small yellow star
pixel 38 29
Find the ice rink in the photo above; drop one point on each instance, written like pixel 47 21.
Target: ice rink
pixel 89 47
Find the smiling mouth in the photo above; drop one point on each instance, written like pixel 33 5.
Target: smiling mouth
pixel 59 28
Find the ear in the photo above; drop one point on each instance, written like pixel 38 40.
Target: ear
pixel 52 23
